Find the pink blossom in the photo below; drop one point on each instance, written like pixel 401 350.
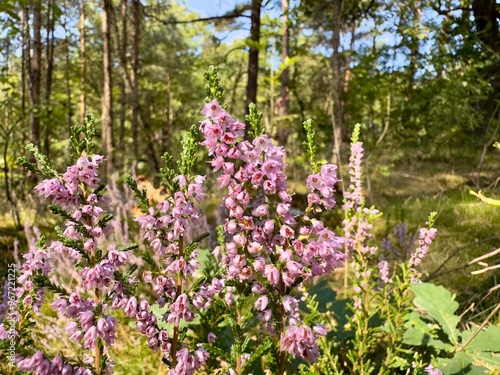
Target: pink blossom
pixel 261 303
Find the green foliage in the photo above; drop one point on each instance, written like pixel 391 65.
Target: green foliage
pixel 82 136
pixel 355 133
pixel 213 88
pixel 42 281
pixel 194 244
pixel 187 159
pixel 45 168
pixel 254 118
pixel 168 173
pixel 433 328
pixel 440 305
pixel 311 146
pixel 140 195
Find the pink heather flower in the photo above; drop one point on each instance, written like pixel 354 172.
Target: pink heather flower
pixel 300 342
pixel 211 109
pixel 272 274
pixel 358 303
pixel 319 329
pixel 89 339
pixel 270 187
pixel 271 169
pixel 262 143
pixel 261 303
pixel 430 370
pixel 211 338
pixel 179 310
pixel 314 182
pixel 290 304
pixel 287 232
pixel 131 307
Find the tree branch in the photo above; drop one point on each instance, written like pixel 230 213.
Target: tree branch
pixel 206 19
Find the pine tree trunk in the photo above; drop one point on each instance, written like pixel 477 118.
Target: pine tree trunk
pixel 36 59
pixel 486 16
pixel 24 64
pixel 414 45
pixel 337 86
pixel 284 107
pixel 83 68
pixel 168 130
pixel 106 100
pixel 69 100
pixel 123 94
pixel 49 64
pixel 253 56
pixel 136 9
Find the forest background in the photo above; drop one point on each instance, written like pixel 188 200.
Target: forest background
pixel 421 77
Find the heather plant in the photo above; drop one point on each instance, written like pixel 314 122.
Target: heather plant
pixel 249 305
pixel 265 256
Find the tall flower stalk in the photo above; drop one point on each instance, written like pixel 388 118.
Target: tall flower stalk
pixel 268 249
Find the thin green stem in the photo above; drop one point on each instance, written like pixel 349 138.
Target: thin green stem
pixel 175 339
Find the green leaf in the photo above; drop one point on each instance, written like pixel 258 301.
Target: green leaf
pixel 258 353
pixel 440 305
pixel 461 364
pixel 419 333
pixel 488 341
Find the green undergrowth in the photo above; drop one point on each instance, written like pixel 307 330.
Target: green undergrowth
pixel 467 228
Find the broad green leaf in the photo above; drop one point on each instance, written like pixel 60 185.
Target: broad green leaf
pixel 460 364
pixel 418 333
pixel 487 341
pixel 440 305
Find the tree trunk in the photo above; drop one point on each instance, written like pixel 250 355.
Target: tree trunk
pixel 24 64
pixel 486 15
pixel 168 130
pixel 69 101
pixel 136 10
pixel 284 108
pixel 83 100
pixel 414 45
pixel 336 84
pixel 253 56
pixel 123 95
pixel 49 64
pixel 106 100
pixel 36 59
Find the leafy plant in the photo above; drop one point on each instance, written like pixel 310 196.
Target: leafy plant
pixel 433 329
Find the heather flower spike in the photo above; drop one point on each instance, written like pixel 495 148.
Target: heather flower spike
pixel 425 238
pixel 267 249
